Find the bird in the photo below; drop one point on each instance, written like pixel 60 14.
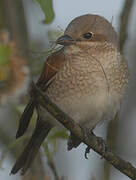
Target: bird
pixel 87 79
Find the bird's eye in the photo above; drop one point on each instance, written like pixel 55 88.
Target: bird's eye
pixel 88 35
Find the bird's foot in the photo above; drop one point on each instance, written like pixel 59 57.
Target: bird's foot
pixel 103 146
pixel 101 142
pixel 87 151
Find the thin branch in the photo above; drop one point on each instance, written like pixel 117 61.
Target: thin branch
pixel 96 143
pixel 124 20
pixel 51 163
pixel 112 135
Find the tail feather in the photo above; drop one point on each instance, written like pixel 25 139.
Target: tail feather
pixel 24 161
pixel 25 118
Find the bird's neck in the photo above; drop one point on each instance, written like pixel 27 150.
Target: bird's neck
pixel 89 47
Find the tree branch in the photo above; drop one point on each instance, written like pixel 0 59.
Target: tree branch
pixel 124 20
pixel 96 143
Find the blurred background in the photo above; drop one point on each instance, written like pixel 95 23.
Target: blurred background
pixel 27 28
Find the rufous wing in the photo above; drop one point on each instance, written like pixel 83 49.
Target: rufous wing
pixel 51 67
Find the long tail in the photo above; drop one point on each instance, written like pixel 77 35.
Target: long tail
pixel 23 162
pixel 25 118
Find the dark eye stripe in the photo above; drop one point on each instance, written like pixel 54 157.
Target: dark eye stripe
pixel 87 35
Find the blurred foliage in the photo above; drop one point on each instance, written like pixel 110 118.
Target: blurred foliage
pixel 47 8
pixel 4 54
pixel 54 34
pixel 2 157
pixel 50 161
pixel 61 134
pixel 51 146
pixel 52 140
pixel 4 61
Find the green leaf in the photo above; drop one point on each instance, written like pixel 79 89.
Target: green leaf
pixel 61 134
pixel 47 8
pixel 4 54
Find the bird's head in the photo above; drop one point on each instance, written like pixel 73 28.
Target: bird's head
pixel 88 29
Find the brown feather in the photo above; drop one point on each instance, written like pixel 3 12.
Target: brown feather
pixel 25 118
pixel 51 67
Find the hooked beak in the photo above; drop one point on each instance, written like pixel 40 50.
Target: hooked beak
pixel 65 40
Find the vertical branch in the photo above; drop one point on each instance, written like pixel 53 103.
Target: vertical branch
pixel 112 134
pixel 3 16
pixel 124 20
pixel 50 162
pixel 17 25
pixel 12 19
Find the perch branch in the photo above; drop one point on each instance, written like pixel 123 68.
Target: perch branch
pixel 96 143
